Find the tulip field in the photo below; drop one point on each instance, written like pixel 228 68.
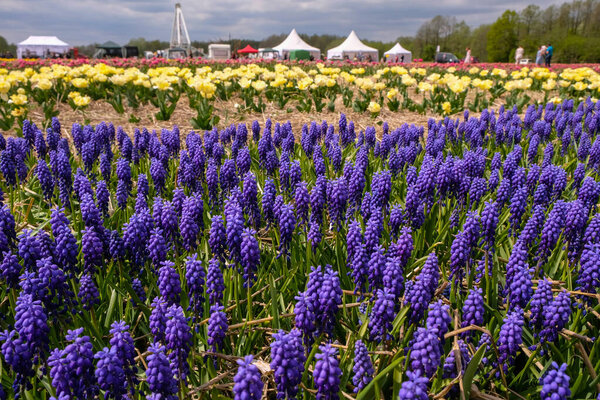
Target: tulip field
pixel 262 260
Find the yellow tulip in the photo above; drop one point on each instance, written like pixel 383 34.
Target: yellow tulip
pixel 374 107
pixel 447 107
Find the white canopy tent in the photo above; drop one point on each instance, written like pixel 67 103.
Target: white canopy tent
pixel 295 42
pixel 398 54
pixel 353 47
pixel 41 46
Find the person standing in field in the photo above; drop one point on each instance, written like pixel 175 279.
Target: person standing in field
pixel 549 52
pixel 468 56
pixel 539 58
pixel 519 55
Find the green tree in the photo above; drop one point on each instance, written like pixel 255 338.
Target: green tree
pixel 502 37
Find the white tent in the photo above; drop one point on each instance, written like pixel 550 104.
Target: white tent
pixel 295 42
pixel 353 47
pixel 41 46
pixel 398 54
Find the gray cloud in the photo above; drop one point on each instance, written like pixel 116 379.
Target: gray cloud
pixel 87 21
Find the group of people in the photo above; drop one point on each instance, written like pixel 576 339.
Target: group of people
pixel 542 58
pixel 544 55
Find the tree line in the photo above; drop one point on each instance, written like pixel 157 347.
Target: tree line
pixel 573 28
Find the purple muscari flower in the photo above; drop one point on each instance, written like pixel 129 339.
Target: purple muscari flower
pixel 158 318
pixel 110 375
pixel 45 178
pixel 178 337
pixel 287 224
pixel 489 223
pixel 243 161
pixel 92 249
pixel 359 268
pixel 268 201
pixel 302 200
pixel 287 362
pixel 338 198
pixel 555 383
pixel 122 194
pixel 396 219
pixel 459 256
pixel 414 388
pixel 212 183
pixel 169 284
pixel 194 276
pixel 518 205
pixel 541 196
pixel 304 316
pixel 8 165
pixel 189 222
pixel 589 272
pixel 138 288
pixel 105 167
pixel 540 300
pixel 235 226
pixel 438 318
pixel 552 229
pixel 217 327
pixel 314 234
pixel 556 316
pixel 323 295
pixel 477 190
pixel 393 277
pixel 88 292
pixel 89 212
pixel 247 381
pixel 519 285
pixel 215 284
pixel 227 176
pixel 511 337
pixel 589 191
pixel 363 367
pixel 503 193
pixel 376 266
pixel 473 310
pixel 584 146
pixel 373 230
pixel 29 249
pixel 404 246
pixel 318 196
pixel 365 206
pixel 136 234
pixel 102 197
pixel 250 200
pixel 327 373
pixel 116 246
pixel 157 247
pixel 72 369
pixel 31 324
pixel 381 188
pixel 532 150
pixel 419 292
pixel 382 315
pixel 10 270
pixel 425 351
pixel 534 225
pixel 159 374
pixel 256 130
pixel 122 345
pixel 578 175
pixel 250 256
pixel 494 180
pixel 295 174
pixel 218 237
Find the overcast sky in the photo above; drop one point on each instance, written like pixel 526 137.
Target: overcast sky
pixel 88 21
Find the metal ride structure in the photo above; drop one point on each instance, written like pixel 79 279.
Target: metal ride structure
pixel 180 39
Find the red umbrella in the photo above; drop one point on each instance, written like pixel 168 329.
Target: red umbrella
pixel 247 50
